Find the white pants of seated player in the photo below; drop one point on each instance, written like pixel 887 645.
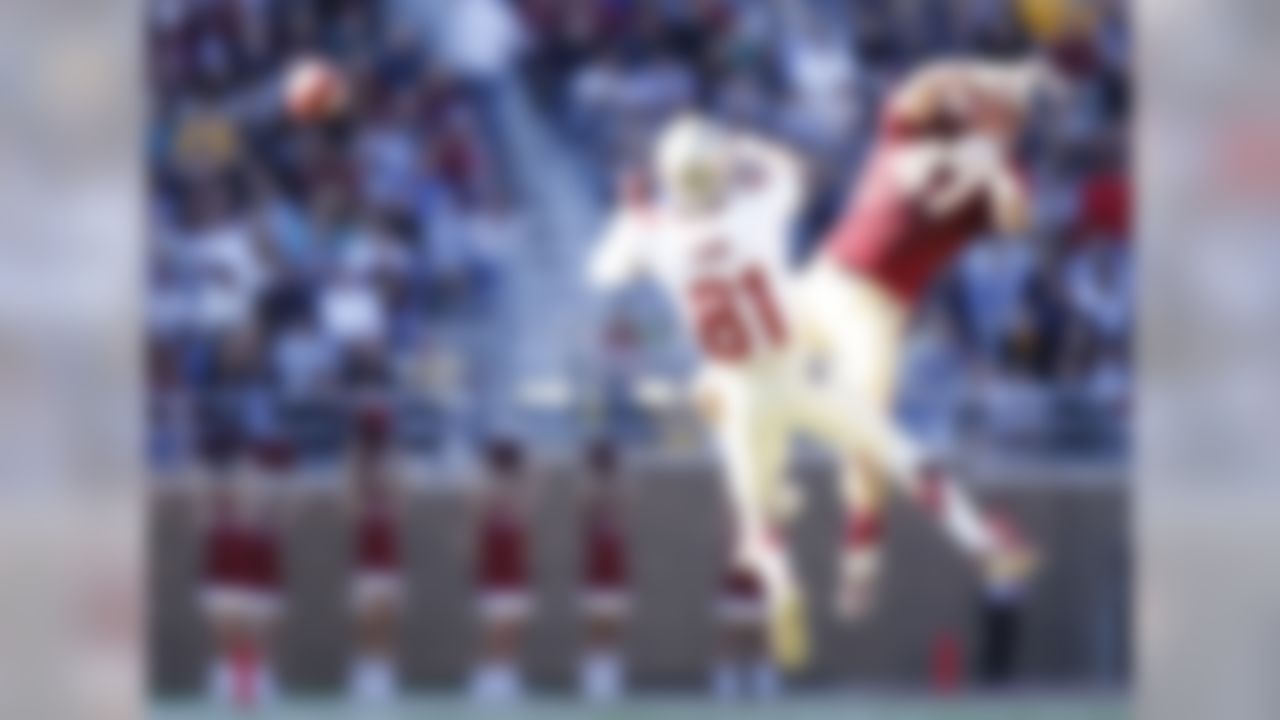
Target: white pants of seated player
pixel 859 328
pixel 754 418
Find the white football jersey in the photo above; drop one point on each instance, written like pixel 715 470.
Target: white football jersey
pixel 725 269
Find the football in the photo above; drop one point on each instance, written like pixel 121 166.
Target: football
pixel 314 90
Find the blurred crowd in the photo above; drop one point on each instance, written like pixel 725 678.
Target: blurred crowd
pixel 302 273
pixel 304 276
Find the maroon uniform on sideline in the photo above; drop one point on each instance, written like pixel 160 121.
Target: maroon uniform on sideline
pixel 243 556
pixel 377 541
pixel 741 584
pixel 264 560
pixel 502 562
pixel 223 553
pixel 605 560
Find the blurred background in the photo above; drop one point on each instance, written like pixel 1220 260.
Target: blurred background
pixel 406 276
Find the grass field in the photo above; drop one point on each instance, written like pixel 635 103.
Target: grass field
pixel 824 707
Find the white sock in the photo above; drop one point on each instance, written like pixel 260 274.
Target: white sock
pixel 386 683
pixel 477 685
pixel 510 683
pixel 962 521
pixel 766 684
pixel 496 682
pixel 220 681
pixel 726 684
pixel 266 685
pixel 357 679
pixel 373 679
pixel 955 510
pixel 600 676
pixel 483 683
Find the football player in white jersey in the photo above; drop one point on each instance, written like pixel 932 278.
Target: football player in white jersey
pixel 714 235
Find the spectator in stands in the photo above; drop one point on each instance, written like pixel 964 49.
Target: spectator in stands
pixel 1099 288
pixel 822 104
pixel 225 261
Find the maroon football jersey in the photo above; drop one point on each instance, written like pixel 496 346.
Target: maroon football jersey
pixel 885 233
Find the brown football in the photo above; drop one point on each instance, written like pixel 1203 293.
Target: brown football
pixel 314 89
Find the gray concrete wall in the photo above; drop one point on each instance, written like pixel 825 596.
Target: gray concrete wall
pixel 1076 625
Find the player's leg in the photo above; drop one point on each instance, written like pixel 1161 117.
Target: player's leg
pixel 729 660
pixel 739 612
pixel 868 382
pixel 504 613
pixel 601 673
pixel 743 665
pixel 229 631
pixel 751 431
pixel 857 332
pixel 1002 556
pixel 265 624
pixel 862 331
pixel 758 672
pixel 878 442
pixel 376 603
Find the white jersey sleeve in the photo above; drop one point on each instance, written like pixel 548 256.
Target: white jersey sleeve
pixel 619 256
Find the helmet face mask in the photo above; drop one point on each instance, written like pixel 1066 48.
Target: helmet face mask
pixel 691 162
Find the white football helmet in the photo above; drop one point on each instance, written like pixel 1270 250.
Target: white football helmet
pixel 691 161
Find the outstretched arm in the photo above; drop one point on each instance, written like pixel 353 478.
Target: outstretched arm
pixel 618 256
pixel 979 166
pixel 970 95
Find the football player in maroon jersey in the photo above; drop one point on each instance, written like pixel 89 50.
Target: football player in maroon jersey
pixel 941 173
